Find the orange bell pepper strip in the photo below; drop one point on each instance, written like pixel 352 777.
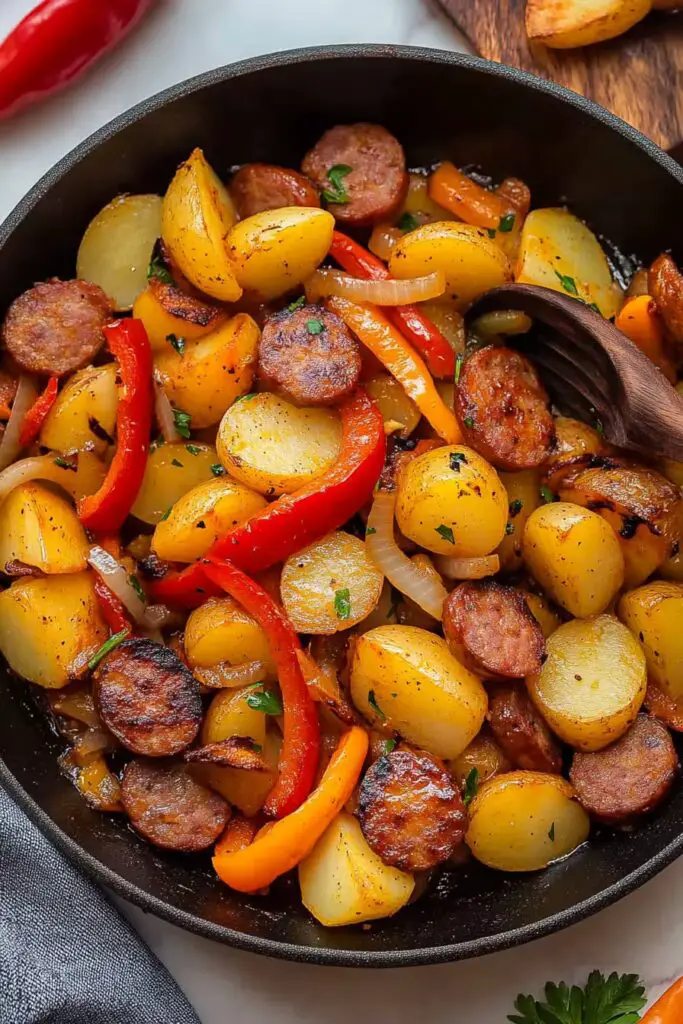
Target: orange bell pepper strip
pixel 668 1009
pixel 459 194
pixel 640 322
pixel 37 414
pixel 291 839
pixel 371 326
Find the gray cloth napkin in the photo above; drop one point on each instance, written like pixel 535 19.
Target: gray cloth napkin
pixel 66 954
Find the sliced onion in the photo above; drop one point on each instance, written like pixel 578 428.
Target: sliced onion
pixel 10 445
pixel 44 467
pixel 158 616
pixel 389 292
pixel 226 676
pixel 90 743
pixel 164 414
pixel 467 568
pixel 117 579
pixel 422 588
pixel 383 239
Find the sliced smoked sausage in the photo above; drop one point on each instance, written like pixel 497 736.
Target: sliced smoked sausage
pixel 170 808
pixel 310 355
pixel 489 627
pixel 665 283
pixel 56 327
pixel 410 810
pixel 521 731
pixel 630 777
pixel 503 409
pixel 148 698
pixel 368 172
pixel 258 187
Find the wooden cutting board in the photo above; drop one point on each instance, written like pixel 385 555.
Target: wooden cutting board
pixel 638 76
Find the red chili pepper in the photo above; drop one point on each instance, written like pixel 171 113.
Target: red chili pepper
pixel 301 744
pixel 410 320
pixel 37 414
pixel 56 42
pixel 105 511
pixel 295 520
pixel 113 612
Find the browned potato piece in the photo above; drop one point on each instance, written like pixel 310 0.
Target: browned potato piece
pixel 564 24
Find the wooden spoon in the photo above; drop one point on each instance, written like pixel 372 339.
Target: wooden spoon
pixel 637 76
pixel 592 370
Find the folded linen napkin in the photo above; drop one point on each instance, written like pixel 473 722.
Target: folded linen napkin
pixel 67 956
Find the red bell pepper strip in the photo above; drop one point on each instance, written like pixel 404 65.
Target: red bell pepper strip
pixel 297 519
pixel 301 744
pixel 113 612
pixel 56 42
pixel 37 414
pixel 106 510
pixel 410 320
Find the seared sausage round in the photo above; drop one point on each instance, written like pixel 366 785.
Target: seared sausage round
pixel 258 187
pixel 186 307
pixel 376 183
pixel 309 354
pixel 170 808
pixel 56 327
pixel 665 282
pixel 147 698
pixel 522 732
pixel 503 409
pixel 410 810
pixel 489 626
pixel 630 777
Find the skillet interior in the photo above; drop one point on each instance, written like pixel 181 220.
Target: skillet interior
pixel 272 108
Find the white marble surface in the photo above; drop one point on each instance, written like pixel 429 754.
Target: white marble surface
pixel 643 933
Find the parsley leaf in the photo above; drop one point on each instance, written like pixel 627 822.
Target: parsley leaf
pixel 177 343
pixel 193 449
pixel 342 603
pixel 568 283
pixel 157 268
pixel 469 422
pixel 166 514
pixel 551 833
pixel 389 746
pixel 176 462
pixel 137 586
pixel 491 232
pixel 614 1000
pixel 370 530
pixel 65 463
pixel 547 494
pixel 407 222
pixel 297 304
pixel 337 193
pixel 266 701
pixel 446 532
pixel 515 507
pixel 471 786
pixel 510 529
pixel 315 326
pixel 375 706
pixel 456 460
pixel 594 306
pixel 599 427
pixel 459 360
pixel 246 398
pixel 106 647
pixel 218 470
pixel 182 422
pixel 507 223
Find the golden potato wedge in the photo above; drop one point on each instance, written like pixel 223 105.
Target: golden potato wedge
pixel 276 447
pixel 50 627
pixel 482 754
pixel 41 528
pixel 245 790
pixel 212 371
pixel 461 512
pixel 654 614
pixel 116 248
pixel 524 495
pixel 470 260
pixel 276 250
pixel 220 630
pixel 672 569
pixel 229 714
pixel 575 556
pixel 84 415
pixel 544 613
pixel 564 24
pixel 558 251
pixel 523 821
pixel 592 683
pixel 196 216
pixel 573 441
pixel 169 313
pixel 344 882
pixel 330 585
pixel 172 470
pixel 201 515
pixel 405 679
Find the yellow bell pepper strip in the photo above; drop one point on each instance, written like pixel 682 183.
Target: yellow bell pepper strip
pixel 291 839
pixel 372 328
pixel 460 194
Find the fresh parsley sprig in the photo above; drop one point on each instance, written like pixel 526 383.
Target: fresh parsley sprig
pixel 617 999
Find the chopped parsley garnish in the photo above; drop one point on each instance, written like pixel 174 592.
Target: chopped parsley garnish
pixel 246 398
pixel 157 268
pixel 337 193
pixel 65 463
pixel 201 525
pixel 471 786
pixel 594 306
pixel 614 1000
pixel 297 304
pixel 370 530
pixel 568 283
pixel 599 427
pixel 446 532
pixel 106 647
pixel 408 222
pixel 510 529
pixel 389 745
pixel 176 462
pixel 342 603
pixel 315 326
pixel 515 507
pixel 507 223
pixel 266 701
pixel 177 343
pixel 459 360
pixel 551 833
pixel 166 514
pixel 547 494
pixel 193 449
pixel 456 460
pixel 137 587
pixel 375 706
pixel 469 422
pixel 491 232
pixel 182 422
pixel 218 470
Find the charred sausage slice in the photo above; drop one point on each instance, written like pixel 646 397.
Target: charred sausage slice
pixel 665 282
pixel 235 752
pixel 258 187
pixel 170 808
pixel 309 354
pixel 522 732
pixel 410 810
pixel 503 409
pixel 375 182
pixel 630 777
pixel 147 698
pixel 490 628
pixel 56 327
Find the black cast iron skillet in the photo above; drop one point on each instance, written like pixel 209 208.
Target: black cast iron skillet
pixel 272 108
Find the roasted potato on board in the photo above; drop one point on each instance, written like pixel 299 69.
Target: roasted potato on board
pixel 563 24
